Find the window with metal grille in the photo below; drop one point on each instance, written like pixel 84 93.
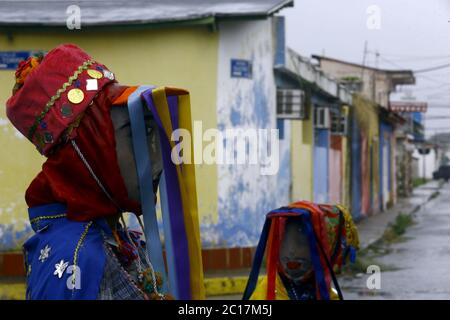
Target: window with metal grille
pixel 339 123
pixel 291 104
pixel 321 117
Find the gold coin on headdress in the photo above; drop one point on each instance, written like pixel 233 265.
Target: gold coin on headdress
pixel 75 95
pixel 95 74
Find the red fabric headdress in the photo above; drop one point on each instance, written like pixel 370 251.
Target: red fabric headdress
pixel 43 108
pixel 64 177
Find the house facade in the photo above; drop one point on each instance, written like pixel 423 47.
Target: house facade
pixel 222 53
pixel 373 132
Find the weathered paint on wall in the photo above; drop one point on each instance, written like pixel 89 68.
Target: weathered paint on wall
pixel 302 159
pixel 394 167
pixel 365 141
pixel 365 175
pixel 19 163
pixel 321 167
pixel 386 173
pixel 245 196
pixel 346 164
pixel 356 169
pixel 184 57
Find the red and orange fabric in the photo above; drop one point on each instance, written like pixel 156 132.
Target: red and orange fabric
pixel 331 235
pixel 64 178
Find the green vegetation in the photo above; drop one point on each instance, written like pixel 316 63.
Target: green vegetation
pixel 368 256
pixel 351 79
pixel 434 195
pixel 395 230
pixel 419 181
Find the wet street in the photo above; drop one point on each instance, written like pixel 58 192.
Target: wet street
pixel 417 266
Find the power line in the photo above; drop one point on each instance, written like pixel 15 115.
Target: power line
pixel 432 87
pixel 432 68
pixel 429 78
pixel 436 117
pixel 401 55
pixel 437 129
pixel 391 63
pixel 418 70
pixel 420 59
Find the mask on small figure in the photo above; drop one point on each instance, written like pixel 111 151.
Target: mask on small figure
pixel 294 252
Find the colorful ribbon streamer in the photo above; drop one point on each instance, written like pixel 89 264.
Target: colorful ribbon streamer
pixel 170 108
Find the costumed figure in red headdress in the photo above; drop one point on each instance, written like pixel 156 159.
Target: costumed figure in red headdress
pixel 77 115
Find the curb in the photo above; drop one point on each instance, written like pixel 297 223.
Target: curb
pixel 412 211
pixel 213 287
pixel 12 291
pixel 221 286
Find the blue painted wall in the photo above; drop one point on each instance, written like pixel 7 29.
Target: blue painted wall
pixel 385 129
pixel 244 195
pixel 320 158
pixel 356 169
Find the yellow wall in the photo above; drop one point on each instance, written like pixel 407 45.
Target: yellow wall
pixel 368 121
pixel 184 57
pixel 301 153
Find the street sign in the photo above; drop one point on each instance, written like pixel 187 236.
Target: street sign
pixel 408 106
pixel 9 60
pixel 241 68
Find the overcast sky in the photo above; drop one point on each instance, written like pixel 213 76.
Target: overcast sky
pixel 412 34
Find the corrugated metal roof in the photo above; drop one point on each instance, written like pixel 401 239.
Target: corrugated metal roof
pixel 136 12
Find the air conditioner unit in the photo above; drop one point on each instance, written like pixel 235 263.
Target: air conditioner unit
pixel 321 118
pixel 291 104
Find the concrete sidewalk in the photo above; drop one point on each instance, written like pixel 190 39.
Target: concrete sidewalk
pixel 371 228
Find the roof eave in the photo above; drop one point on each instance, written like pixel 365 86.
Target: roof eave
pixel 199 20
pixel 282 5
pixel 390 72
pixel 127 25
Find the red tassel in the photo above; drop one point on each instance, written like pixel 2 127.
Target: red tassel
pixel 273 254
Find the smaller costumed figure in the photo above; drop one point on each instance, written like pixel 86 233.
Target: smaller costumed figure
pixel 305 245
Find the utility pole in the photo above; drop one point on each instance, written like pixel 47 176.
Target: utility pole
pixel 363 63
pixel 364 53
pixel 374 79
pixel 377 56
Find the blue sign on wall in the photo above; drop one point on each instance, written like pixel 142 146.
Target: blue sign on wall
pixel 9 60
pixel 241 68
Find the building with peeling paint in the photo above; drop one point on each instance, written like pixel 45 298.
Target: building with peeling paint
pixel 234 61
pixel 319 141
pixel 373 132
pixel 223 53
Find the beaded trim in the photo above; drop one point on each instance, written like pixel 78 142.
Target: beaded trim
pixel 53 99
pixel 80 242
pixel 47 217
pixel 77 249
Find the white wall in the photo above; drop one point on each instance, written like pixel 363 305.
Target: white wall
pixel 244 195
pixel 430 163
